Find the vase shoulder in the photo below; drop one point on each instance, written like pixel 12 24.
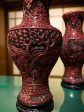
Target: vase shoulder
pixel 38 25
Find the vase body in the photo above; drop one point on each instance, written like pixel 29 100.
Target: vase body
pixel 72 53
pixel 34 46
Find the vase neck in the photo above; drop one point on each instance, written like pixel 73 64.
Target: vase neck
pixel 74 21
pixel 73 71
pixel 35 10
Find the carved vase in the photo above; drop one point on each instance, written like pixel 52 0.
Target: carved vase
pixel 34 46
pixel 72 53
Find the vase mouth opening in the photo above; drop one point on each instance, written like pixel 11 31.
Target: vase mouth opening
pixel 79 14
pixel 30 1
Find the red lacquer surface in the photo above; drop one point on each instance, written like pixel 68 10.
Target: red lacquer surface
pixel 34 46
pixel 72 53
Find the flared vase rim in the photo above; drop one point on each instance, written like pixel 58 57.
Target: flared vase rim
pixel 70 13
pixel 48 2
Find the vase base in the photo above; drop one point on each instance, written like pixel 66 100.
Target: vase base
pixel 43 108
pixel 72 86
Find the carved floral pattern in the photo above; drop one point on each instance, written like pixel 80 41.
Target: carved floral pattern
pixel 32 51
pixel 34 46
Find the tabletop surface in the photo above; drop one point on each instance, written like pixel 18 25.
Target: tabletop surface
pixel 65 100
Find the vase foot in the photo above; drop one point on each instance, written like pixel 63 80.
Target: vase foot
pixel 72 86
pixel 43 108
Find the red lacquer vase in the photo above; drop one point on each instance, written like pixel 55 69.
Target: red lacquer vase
pixel 34 46
pixel 72 53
